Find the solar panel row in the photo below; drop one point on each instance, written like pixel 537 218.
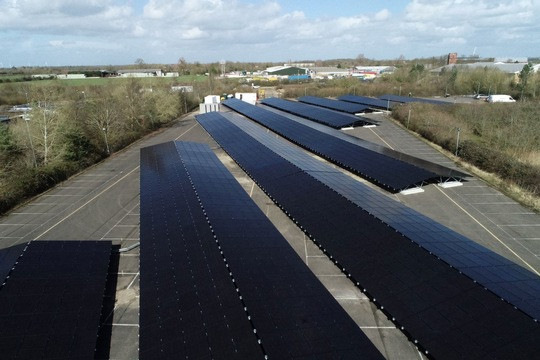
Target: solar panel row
pixel 384 171
pixel 443 171
pixel 337 105
pixel 275 293
pixel 50 306
pixel 501 276
pixel 367 101
pixel 449 314
pixel 330 118
pixel 189 307
pixel 409 99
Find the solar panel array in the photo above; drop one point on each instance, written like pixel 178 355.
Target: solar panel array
pixel 218 280
pixel 447 313
pixel 384 171
pixel 409 99
pixel 337 120
pixel 443 171
pixel 333 104
pixel 367 101
pixel 50 305
pixel 508 280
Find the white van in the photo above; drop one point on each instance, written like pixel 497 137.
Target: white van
pixel 499 98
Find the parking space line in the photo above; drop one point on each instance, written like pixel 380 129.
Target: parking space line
pixel 132 281
pixel 489 232
pixel 185 132
pixel 86 203
pixel 28 213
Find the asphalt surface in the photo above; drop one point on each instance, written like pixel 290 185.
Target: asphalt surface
pixel 102 203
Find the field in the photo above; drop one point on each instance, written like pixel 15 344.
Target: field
pixel 501 139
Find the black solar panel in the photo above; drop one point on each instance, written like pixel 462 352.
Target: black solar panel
pixel 408 99
pixel 443 171
pixel 334 104
pixel 367 101
pixel 449 314
pixel 384 171
pixel 240 258
pixel 510 281
pixel 8 257
pixel 50 305
pixel 337 120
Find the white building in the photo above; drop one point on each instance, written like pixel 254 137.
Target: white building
pixel 141 73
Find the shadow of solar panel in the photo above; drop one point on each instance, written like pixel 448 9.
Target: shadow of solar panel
pixel 408 99
pixel 50 314
pixel 434 303
pixel 367 101
pixel 330 118
pixel 337 105
pixel 190 305
pixel 389 173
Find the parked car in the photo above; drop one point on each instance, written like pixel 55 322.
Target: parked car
pixel 499 98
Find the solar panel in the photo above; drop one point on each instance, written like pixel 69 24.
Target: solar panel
pixel 337 120
pixel 50 305
pixel 334 104
pixel 8 257
pixel 447 313
pixel 367 101
pixel 272 296
pixel 443 171
pixel 521 288
pixel 389 173
pixel 408 99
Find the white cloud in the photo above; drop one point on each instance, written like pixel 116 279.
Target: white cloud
pixel 207 30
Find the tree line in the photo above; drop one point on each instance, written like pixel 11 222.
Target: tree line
pixel 68 129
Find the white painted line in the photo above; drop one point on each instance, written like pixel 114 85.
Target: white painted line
pixel 510 213
pixel 252 188
pixel 378 327
pixel 186 131
pixel 494 203
pixel 131 325
pixel 521 225
pixel 132 281
pixel 28 213
pixel 60 195
pixel 126 273
pixel 86 203
pixel 489 232
pixel 381 139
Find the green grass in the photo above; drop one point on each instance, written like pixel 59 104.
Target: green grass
pixel 186 79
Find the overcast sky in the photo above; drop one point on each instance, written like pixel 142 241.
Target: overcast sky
pixel 102 32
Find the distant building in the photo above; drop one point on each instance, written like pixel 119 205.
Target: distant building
pixel 285 71
pixel 141 73
pixel 328 72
